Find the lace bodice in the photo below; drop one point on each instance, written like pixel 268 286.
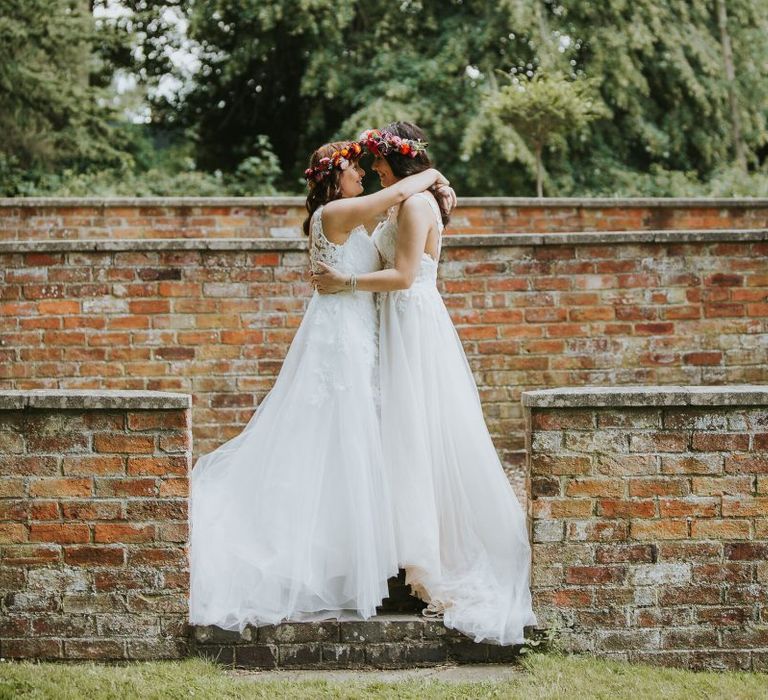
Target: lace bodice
pixel 356 254
pixel 385 239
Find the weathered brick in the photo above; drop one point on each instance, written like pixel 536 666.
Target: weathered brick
pixel 121 443
pixel 156 420
pixel 93 465
pixel 562 508
pixel 645 487
pixel 745 551
pixel 745 506
pixel 597 530
pixel 545 486
pixel 157 466
pixel 61 488
pixel 33 554
pixel 630 508
pixel 123 532
pixel 659 573
pixel 548 531
pixel 721 486
pixel 90 555
pixel 690 551
pixel 680 507
pixel 116 488
pixel 659 442
pixel 750 463
pixel 662 529
pixel 156 509
pixel 723 573
pixel 621 553
pixel 32 465
pixel 562 419
pixel 559 464
pixel 719 442
pixel 61 533
pixel 32 648
pixel 720 529
pixel 595 574
pixel 629 418
pixel 119 579
pixel 100 649
pixel 154 556
pixel 700 464
pixel 625 465
pixel 609 488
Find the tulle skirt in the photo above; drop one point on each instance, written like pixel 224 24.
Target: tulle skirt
pixel 461 532
pixel 292 519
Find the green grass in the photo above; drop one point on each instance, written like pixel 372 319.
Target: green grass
pixel 544 676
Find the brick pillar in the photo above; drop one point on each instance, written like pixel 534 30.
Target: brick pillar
pixel 93 524
pixel 649 512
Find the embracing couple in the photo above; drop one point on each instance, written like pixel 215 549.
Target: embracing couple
pixel 371 452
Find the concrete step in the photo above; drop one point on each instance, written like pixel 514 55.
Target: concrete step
pixel 384 641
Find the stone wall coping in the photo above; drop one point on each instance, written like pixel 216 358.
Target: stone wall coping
pixel 617 396
pixel 539 203
pixel 96 399
pixel 451 241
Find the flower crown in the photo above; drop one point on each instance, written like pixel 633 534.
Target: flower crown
pixel 338 159
pixel 382 143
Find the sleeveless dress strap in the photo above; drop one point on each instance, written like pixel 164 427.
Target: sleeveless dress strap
pixel 438 215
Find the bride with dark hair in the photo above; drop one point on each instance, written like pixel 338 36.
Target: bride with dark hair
pixel 291 519
pixel 460 532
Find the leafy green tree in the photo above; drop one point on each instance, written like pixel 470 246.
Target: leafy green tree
pixel 542 111
pixel 684 84
pixel 50 113
pixel 663 75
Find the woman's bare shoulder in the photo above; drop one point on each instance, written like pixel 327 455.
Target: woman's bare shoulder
pixel 416 204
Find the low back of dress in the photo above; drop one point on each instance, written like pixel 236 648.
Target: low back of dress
pixel 385 240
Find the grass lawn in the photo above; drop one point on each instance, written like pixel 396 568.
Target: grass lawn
pixel 544 676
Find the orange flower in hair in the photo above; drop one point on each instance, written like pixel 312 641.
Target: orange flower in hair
pixel 339 160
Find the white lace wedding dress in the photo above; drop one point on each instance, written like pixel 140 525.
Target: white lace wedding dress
pixel 291 519
pixel 461 533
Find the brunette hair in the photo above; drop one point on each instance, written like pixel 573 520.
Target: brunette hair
pixel 403 165
pixel 327 189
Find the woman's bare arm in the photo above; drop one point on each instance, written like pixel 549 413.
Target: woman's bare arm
pixel 342 215
pixel 413 224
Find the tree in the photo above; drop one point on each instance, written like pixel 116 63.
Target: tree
pixel 661 73
pixel 279 78
pixel 50 113
pixel 542 110
pixel 730 76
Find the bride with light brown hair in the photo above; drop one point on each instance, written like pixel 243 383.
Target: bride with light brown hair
pixel 291 519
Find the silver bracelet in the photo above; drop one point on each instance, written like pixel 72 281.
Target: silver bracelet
pixel 353 282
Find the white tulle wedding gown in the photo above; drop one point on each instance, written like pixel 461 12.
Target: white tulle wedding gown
pixel 461 533
pixel 291 519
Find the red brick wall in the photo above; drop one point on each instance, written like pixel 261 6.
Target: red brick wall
pixel 650 530
pixel 566 310
pixel 93 526
pixel 215 319
pixel 281 217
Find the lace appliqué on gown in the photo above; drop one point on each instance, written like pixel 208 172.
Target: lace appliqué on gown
pixel 338 310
